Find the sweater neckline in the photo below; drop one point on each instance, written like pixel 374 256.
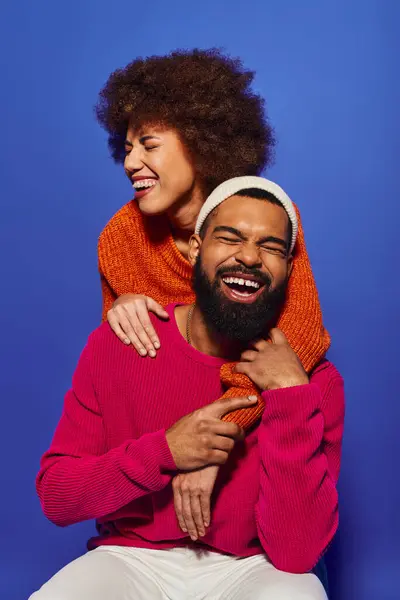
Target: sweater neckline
pixel 170 253
pixel 157 231
pixel 179 342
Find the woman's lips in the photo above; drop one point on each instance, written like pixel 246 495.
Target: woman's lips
pixel 144 191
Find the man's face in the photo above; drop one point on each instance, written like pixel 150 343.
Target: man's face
pixel 242 267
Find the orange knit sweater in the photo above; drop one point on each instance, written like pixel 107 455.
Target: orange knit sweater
pixel 138 255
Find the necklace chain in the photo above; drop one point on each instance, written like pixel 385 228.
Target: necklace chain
pixel 188 323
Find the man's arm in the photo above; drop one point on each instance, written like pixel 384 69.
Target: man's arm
pixel 79 479
pixel 300 439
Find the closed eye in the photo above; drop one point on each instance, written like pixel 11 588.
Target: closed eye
pixel 275 250
pixel 228 240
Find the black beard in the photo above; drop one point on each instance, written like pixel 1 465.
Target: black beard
pixel 236 321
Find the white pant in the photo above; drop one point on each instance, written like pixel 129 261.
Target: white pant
pixel 118 573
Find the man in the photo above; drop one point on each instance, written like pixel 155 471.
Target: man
pixel 129 426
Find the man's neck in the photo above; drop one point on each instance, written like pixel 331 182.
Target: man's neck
pixel 202 338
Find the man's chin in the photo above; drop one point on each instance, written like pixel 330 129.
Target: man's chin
pixel 236 322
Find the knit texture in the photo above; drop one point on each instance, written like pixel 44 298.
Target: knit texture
pixel 138 255
pixel 110 460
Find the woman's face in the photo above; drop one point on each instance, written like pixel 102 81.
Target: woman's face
pixel 159 167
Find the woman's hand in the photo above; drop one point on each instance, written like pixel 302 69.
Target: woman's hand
pixel 129 319
pixel 192 498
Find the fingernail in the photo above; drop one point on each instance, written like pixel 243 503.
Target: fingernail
pixel 206 523
pixel 252 398
pixel 157 345
pixel 184 529
pixel 127 341
pixel 142 352
pixel 152 353
pixel 193 538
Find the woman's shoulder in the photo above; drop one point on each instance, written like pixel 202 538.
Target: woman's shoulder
pixel 117 245
pixel 127 242
pixel 127 218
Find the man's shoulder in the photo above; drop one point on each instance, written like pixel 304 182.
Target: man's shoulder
pixel 104 338
pixel 164 326
pixel 325 371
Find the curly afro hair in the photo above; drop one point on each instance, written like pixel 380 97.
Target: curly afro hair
pixel 203 94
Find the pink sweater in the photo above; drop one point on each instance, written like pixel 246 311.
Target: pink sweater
pixel 110 461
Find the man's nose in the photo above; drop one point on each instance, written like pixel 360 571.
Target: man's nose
pixel 249 255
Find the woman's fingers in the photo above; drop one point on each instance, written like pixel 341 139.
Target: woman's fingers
pixel 113 320
pixel 129 330
pixel 142 334
pixel 148 329
pixel 156 308
pixel 124 317
pixel 130 321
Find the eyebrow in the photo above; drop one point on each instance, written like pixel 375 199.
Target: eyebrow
pixel 227 229
pixel 239 234
pixel 143 139
pixel 274 240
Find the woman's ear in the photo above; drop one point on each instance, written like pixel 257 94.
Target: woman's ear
pixel 194 248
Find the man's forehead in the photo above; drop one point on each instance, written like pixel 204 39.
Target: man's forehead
pixel 248 212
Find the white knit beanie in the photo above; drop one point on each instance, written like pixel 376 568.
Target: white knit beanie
pixel 237 184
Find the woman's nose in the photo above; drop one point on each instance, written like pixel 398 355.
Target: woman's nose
pixel 133 161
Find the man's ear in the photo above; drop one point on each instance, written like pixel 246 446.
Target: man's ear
pixel 194 248
pixel 290 265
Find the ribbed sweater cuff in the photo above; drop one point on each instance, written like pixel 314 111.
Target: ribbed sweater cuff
pixel 284 403
pixel 157 449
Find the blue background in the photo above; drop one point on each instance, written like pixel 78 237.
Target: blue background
pixel 328 72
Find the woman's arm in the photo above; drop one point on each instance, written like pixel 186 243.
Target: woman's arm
pixel 108 296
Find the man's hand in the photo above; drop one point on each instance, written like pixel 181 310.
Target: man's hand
pixel 273 365
pixel 201 438
pixel 192 497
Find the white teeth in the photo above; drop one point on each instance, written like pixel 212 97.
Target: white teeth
pixel 239 281
pixel 144 183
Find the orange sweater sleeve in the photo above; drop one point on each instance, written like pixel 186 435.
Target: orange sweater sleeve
pixel 108 297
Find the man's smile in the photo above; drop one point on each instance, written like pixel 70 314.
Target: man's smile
pixel 241 287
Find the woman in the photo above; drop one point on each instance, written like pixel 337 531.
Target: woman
pixel 182 124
